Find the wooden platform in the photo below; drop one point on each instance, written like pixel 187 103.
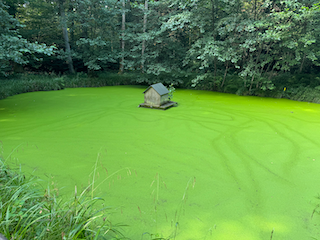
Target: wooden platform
pixel 163 106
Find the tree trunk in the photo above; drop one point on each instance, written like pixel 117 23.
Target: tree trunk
pixel 65 35
pixel 123 28
pixel 144 31
pixel 214 14
pixel 256 69
pixel 225 74
pixel 255 10
pixel 301 66
pixel 251 84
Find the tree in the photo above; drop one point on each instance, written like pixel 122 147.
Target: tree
pixel 13 47
pixel 252 38
pixel 65 35
pixel 158 51
pixel 168 40
pixel 143 48
pixel 123 28
pixel 96 34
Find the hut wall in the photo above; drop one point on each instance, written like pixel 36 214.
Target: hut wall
pixel 164 99
pixel 152 98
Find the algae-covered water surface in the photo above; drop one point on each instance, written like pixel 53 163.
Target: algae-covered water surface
pixel 218 166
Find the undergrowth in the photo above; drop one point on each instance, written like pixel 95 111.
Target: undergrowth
pixel 23 83
pixel 11 87
pixel 299 87
pixel 99 80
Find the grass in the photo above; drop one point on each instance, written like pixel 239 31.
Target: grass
pixel 28 213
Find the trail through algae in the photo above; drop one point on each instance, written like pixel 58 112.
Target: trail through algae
pixel 218 166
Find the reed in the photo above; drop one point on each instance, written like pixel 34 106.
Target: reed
pixel 27 213
pixel 175 221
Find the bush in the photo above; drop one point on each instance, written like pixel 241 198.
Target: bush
pixel 99 79
pixel 300 87
pixel 29 83
pixel 48 82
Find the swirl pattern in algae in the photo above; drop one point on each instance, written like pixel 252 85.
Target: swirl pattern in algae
pixel 218 166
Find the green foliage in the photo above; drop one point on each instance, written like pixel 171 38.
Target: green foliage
pixel 177 78
pixel 22 83
pixel 30 83
pixel 301 87
pixel 94 32
pixel 100 79
pixel 229 46
pixel 171 89
pixel 13 47
pixel 306 94
pixel 162 58
pixel 252 40
pixel 28 214
pixel 41 23
pixel 170 39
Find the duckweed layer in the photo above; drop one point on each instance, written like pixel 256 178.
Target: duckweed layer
pixel 218 166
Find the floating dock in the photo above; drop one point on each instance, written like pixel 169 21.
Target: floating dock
pixel 162 107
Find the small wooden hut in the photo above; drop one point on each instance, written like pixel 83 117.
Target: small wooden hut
pixel 157 96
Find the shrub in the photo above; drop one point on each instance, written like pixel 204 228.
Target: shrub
pixel 29 83
pixel 300 87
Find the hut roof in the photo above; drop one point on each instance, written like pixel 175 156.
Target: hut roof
pixel 159 87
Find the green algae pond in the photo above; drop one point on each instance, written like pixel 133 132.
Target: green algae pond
pixel 218 166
